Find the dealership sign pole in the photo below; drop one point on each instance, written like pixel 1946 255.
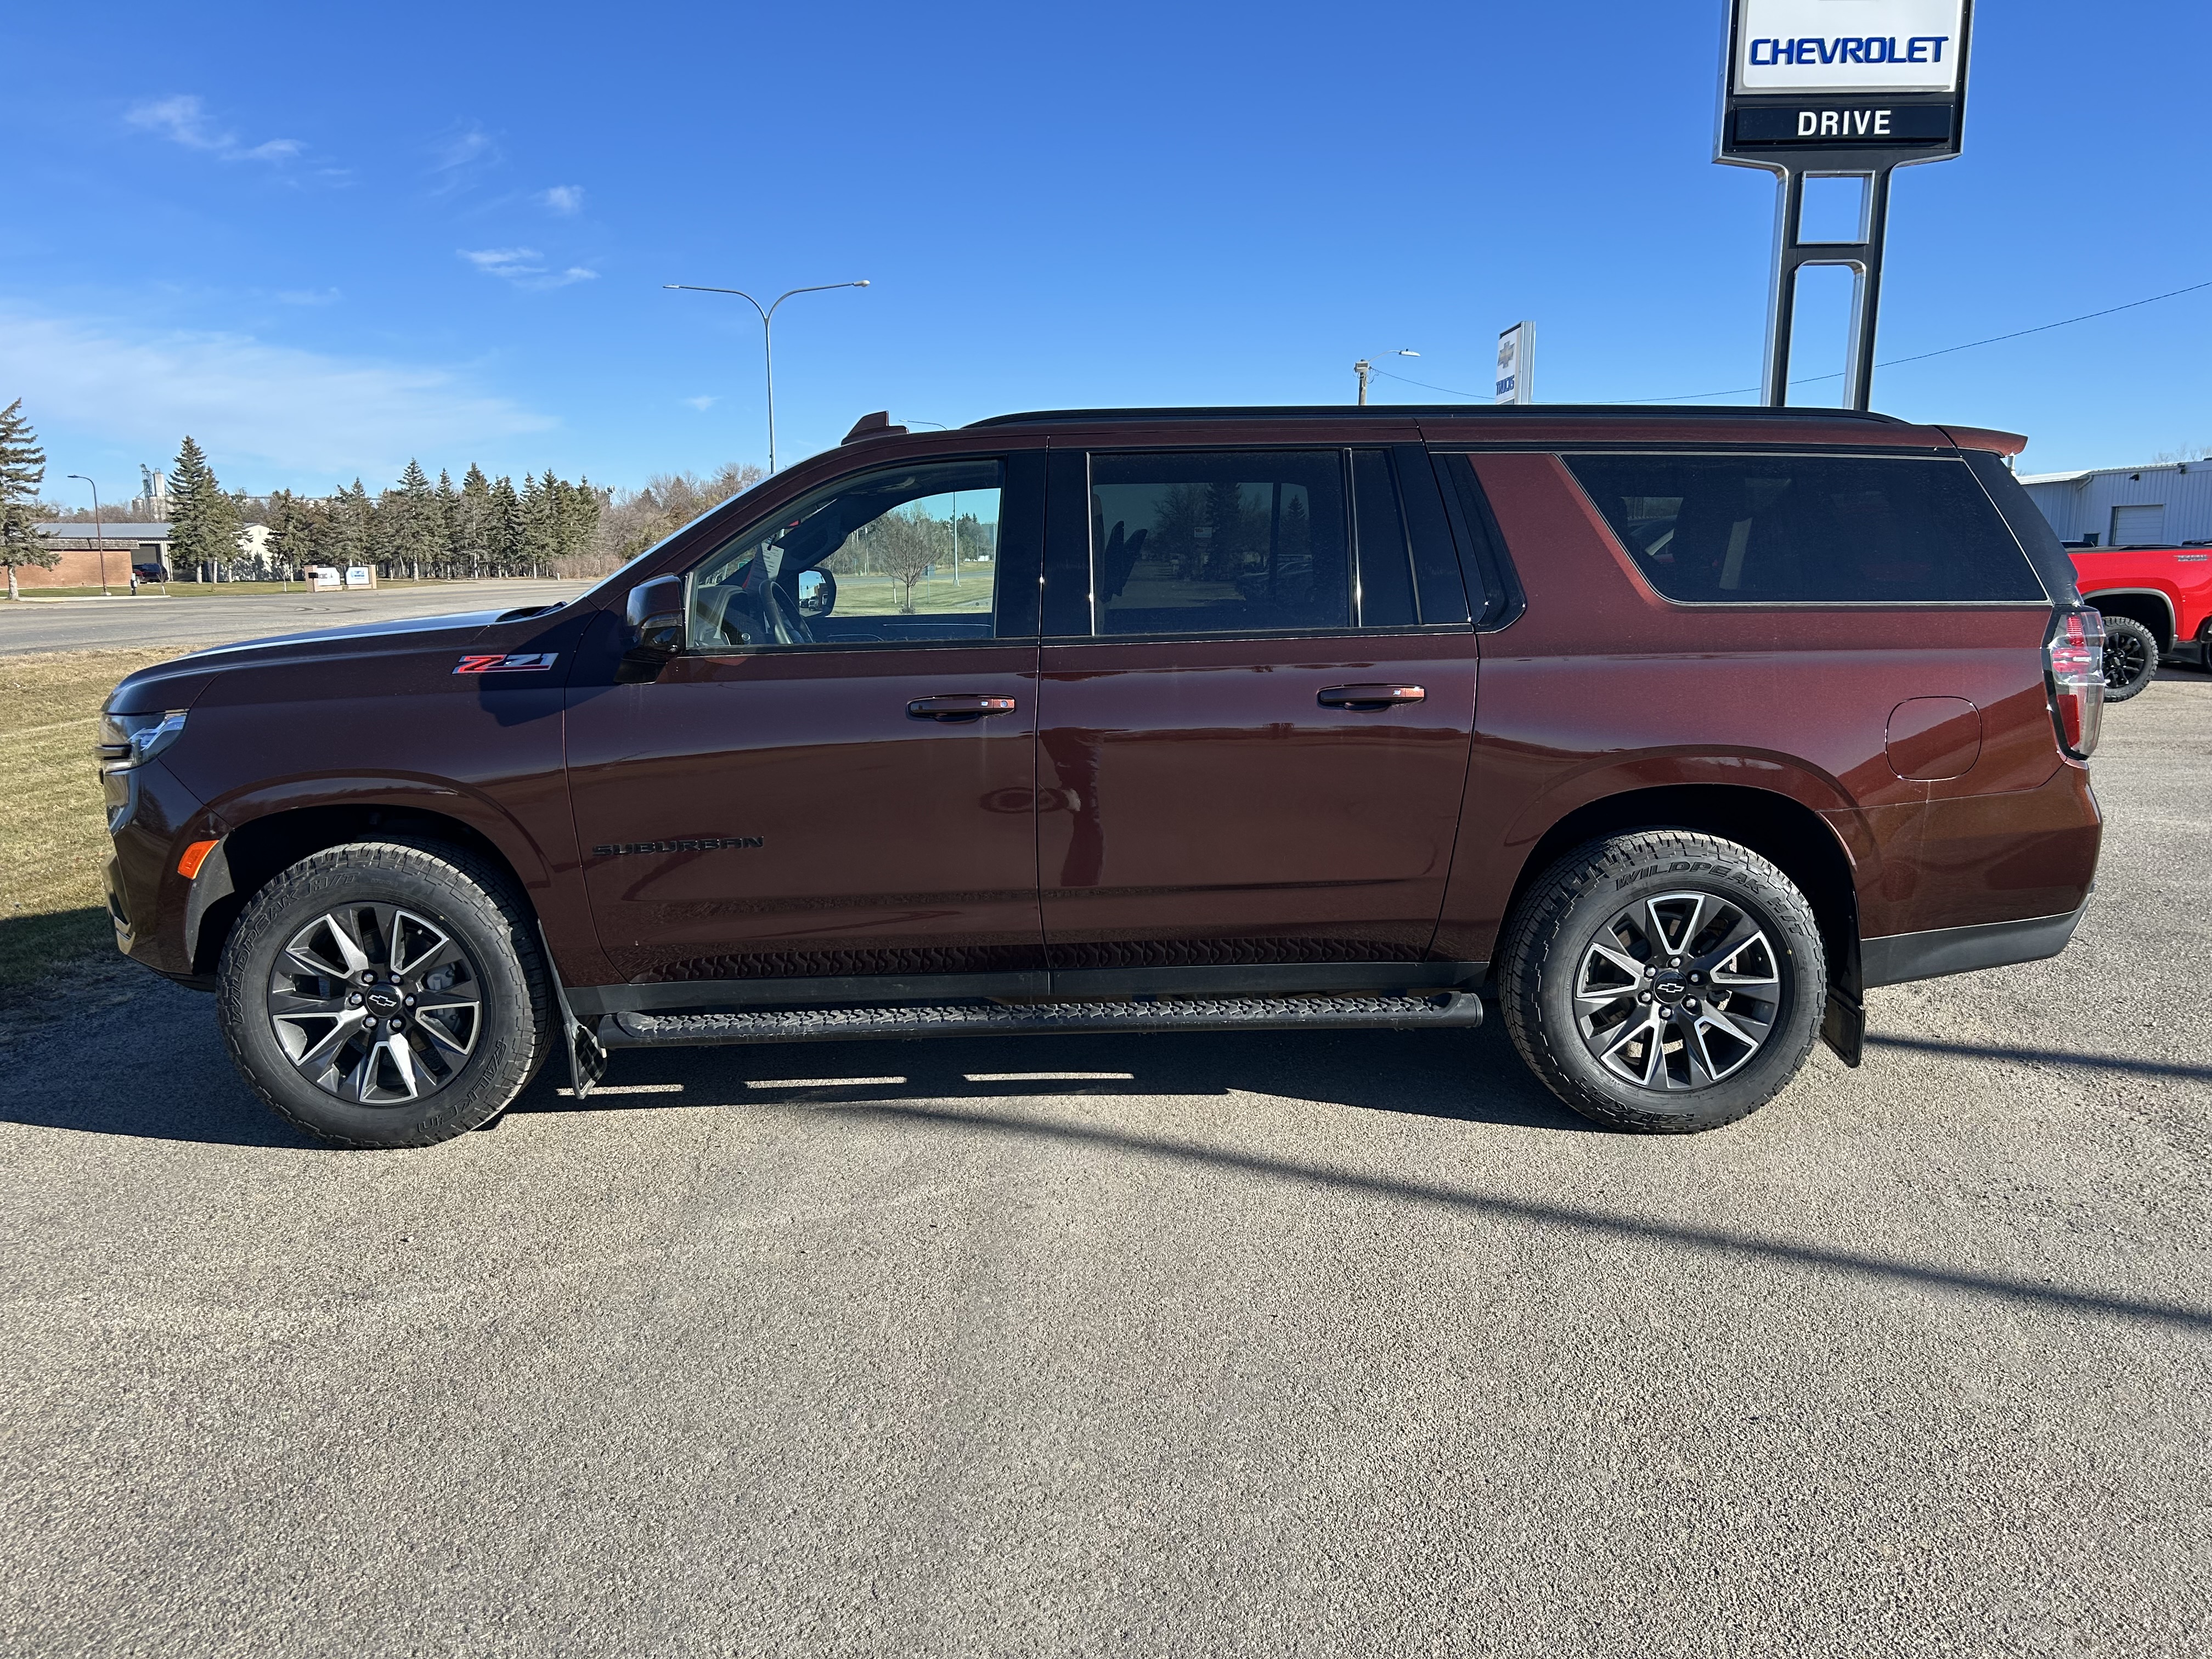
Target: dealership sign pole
pixel 1839 89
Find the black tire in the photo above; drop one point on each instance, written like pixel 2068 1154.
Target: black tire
pixel 2130 657
pixel 1697 1070
pixel 487 1019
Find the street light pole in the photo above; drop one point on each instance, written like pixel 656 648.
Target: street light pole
pixel 767 344
pixel 98 535
pixel 1363 368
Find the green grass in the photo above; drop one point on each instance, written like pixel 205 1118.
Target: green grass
pixel 876 596
pixel 54 833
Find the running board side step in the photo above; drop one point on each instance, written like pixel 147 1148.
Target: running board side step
pixel 1460 1009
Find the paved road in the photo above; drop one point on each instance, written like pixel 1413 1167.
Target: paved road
pixel 193 623
pixel 1312 1344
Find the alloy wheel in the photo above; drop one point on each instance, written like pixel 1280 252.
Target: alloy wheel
pixel 2126 660
pixel 375 1005
pixel 1678 992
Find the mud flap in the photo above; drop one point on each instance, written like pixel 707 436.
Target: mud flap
pixel 587 1060
pixel 1843 1027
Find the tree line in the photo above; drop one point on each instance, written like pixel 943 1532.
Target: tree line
pixel 482 526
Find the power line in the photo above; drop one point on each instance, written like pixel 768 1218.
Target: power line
pixel 1388 375
pixel 1812 379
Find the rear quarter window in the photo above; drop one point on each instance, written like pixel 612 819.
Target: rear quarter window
pixel 1809 529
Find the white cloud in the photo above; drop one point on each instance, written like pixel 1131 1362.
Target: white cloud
pixel 564 199
pixel 183 119
pixel 503 261
pixel 250 404
pixel 462 156
pixel 519 266
pixel 702 404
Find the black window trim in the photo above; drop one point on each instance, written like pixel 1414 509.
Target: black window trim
pixel 1853 606
pixel 1347 486
pixel 1486 562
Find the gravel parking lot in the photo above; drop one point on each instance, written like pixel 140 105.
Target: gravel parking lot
pixel 1319 1344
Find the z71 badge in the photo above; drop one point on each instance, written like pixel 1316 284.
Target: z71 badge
pixel 526 662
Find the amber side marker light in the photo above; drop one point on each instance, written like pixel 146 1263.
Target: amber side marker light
pixel 195 855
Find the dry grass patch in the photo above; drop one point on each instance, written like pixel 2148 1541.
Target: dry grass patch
pixel 53 834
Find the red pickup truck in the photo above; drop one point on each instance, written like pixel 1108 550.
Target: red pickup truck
pixel 2156 601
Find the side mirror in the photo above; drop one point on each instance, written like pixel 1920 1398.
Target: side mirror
pixel 653 630
pixel 818 593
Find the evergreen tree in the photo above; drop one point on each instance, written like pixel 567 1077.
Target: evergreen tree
pixel 350 527
pixel 22 469
pixel 299 532
pixel 503 534
pixel 447 509
pixel 468 531
pixel 407 533
pixel 202 520
pixel 583 520
pixel 540 521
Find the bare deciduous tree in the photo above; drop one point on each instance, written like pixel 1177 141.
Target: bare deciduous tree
pixel 633 520
pixel 904 544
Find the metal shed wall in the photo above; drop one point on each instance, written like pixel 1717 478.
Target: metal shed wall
pixel 2081 504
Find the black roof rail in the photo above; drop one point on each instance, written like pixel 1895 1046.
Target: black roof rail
pixel 1436 411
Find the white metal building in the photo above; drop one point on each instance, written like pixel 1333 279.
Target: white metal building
pixel 2163 505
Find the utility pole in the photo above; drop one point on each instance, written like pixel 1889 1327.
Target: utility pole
pixel 1363 368
pixel 767 346
pixel 99 533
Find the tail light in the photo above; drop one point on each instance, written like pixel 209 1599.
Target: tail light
pixel 2073 661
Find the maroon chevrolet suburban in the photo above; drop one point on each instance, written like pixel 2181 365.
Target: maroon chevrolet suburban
pixel 1674 732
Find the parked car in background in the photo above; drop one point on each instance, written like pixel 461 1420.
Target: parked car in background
pixel 2157 603
pixel 1673 732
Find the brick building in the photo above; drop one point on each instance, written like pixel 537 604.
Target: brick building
pixel 126 544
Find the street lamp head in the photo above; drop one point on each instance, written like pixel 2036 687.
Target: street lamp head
pixel 863 282
pixel 1409 354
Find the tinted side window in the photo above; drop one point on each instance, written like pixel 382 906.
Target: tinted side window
pixel 1220 542
pixel 907 553
pixel 1822 530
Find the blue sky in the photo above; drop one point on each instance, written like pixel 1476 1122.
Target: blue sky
pixel 323 240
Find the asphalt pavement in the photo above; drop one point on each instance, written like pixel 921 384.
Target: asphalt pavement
pixel 194 624
pixel 1294 1344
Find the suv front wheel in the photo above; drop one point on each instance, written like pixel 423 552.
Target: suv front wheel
pixel 386 993
pixel 1664 980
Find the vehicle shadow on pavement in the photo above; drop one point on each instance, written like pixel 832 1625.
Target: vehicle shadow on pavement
pixel 1558 1217
pixel 1472 1077
pixel 226 1115
pixel 2044 1057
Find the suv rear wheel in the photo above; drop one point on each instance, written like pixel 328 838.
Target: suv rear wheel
pixel 1664 980
pixel 2130 657
pixel 386 993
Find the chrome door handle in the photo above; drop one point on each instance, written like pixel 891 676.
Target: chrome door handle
pixel 960 706
pixel 1371 696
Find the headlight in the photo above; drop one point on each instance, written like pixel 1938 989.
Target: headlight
pixel 129 740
